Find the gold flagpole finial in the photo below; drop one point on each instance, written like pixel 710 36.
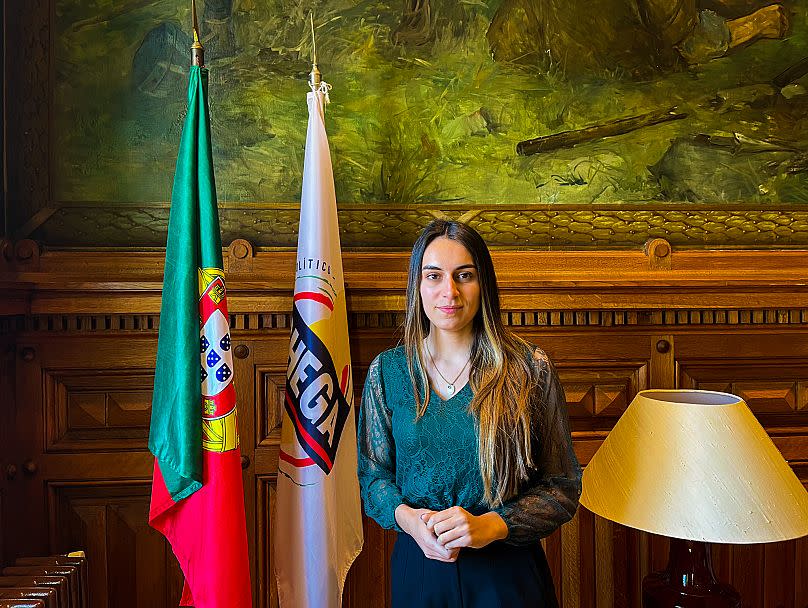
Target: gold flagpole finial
pixel 197 51
pixel 315 78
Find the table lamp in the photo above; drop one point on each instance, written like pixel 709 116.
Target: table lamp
pixel 695 466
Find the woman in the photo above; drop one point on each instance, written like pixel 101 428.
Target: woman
pixel 464 440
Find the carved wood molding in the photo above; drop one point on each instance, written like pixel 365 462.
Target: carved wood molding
pixel 261 322
pixel 568 288
pixel 88 224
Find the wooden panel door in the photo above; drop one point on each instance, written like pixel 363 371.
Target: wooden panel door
pixel 82 423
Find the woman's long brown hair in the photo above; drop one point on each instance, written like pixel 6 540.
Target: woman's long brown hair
pixel 502 375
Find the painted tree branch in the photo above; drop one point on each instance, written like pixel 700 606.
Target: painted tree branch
pixel 792 73
pixel 567 139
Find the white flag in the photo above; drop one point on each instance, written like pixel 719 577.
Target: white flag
pixel 318 530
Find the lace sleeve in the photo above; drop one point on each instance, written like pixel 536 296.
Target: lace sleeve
pixel 377 460
pixel 550 498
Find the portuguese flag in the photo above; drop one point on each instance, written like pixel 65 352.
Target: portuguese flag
pixel 197 499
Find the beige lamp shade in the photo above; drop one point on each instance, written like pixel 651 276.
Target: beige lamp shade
pixel 695 465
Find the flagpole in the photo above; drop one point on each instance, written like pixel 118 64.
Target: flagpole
pixel 197 497
pixel 197 50
pixel 315 77
pixel 319 518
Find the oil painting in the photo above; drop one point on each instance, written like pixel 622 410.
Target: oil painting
pixel 491 108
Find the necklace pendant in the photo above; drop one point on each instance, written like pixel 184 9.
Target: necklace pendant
pixel 450 389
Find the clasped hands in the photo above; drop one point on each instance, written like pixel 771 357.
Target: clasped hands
pixel 441 534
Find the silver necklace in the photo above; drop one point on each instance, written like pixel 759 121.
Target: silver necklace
pixel 450 386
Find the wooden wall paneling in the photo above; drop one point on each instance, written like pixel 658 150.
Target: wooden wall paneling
pixel 368 581
pixel 722 561
pixel 83 415
pixel 779 573
pixel 588 580
pixel 4 523
pixel 801 568
pixel 658 551
pixel 84 422
pixel 270 384
pixel 634 554
pixel 569 591
pixel 3 228
pixel 130 564
pixel 598 288
pixel 251 420
pixel 85 427
pixel 259 383
pixel 758 383
pixel 9 467
pixel 604 563
pixel 590 563
pixel 265 376
pixel 601 373
pixel 260 376
pixel 553 551
pixel 593 344
pixel 598 394
pixel 663 362
pixel 643 561
pixel 757 343
pixel 265 588
pixel 748 572
pixel 769 370
pixel 29 431
pixel 626 571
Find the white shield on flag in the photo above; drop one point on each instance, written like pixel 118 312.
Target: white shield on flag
pixel 217 360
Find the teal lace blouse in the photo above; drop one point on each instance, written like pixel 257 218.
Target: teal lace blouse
pixel 432 462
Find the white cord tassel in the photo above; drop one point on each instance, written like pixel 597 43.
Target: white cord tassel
pixel 323 88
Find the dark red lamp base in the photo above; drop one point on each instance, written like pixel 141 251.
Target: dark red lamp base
pixel 688 581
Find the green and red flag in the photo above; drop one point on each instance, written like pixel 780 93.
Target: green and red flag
pixel 197 499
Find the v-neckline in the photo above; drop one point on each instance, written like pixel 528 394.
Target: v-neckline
pixel 456 394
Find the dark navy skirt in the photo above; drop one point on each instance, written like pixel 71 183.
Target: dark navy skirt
pixel 496 575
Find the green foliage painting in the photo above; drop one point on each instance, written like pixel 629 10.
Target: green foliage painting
pixel 637 102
